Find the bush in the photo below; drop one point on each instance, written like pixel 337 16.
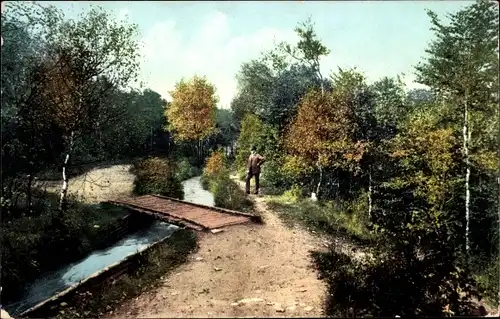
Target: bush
pixel 186 171
pixel 390 285
pixel 293 194
pixel 205 182
pixel 216 164
pixel 488 282
pixel 157 176
pixel 228 194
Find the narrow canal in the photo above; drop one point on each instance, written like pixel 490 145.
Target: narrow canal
pixel 68 275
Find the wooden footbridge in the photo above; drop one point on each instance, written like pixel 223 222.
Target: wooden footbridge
pixel 186 214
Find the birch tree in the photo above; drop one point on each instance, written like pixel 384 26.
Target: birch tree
pixel 86 60
pixel 308 50
pixel 461 68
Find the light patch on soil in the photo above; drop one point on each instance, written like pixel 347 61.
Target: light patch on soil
pixel 246 270
pixel 99 184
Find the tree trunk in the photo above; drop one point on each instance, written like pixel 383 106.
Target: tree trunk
pixel 466 138
pixel 64 187
pixel 200 155
pixel 29 200
pixel 498 181
pixel 370 193
pixel 318 187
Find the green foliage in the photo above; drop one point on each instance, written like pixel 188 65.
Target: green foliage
pixel 186 171
pixel 157 176
pixel 251 133
pixel 293 194
pixel 216 179
pixel 228 194
pixel 308 49
pixel 391 104
pixel 349 217
pixel 387 286
pixel 488 281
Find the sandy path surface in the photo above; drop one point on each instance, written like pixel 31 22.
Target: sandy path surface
pixel 99 184
pixel 245 271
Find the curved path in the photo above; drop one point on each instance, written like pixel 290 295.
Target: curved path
pixel 247 270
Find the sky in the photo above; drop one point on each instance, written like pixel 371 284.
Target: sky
pixel 181 39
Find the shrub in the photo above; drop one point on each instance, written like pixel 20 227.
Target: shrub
pixel 216 179
pixel 216 164
pixel 157 176
pixel 293 194
pixel 205 182
pixel 488 282
pixel 228 194
pixel 186 171
pixel 388 286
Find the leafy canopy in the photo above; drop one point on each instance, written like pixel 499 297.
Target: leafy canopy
pixel 192 113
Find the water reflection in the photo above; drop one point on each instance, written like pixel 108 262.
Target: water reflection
pixel 194 193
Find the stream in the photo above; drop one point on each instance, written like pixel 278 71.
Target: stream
pixel 68 275
pixel 194 192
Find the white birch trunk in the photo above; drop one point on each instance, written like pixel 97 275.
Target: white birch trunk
pixel 466 138
pixel 370 203
pixel 64 187
pixel 318 187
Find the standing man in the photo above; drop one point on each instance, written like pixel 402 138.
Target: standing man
pixel 254 162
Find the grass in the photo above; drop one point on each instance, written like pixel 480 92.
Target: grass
pixel 329 218
pixel 488 282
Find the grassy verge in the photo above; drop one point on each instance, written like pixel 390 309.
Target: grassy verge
pixel 347 219
pixel 488 282
pixel 146 274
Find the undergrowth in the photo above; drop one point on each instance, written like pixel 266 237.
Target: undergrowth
pixel 227 193
pixel 155 175
pixel 348 218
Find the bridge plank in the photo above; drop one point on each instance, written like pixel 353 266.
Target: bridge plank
pixel 198 217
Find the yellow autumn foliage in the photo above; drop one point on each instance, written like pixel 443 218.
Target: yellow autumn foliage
pixel 191 115
pixel 216 163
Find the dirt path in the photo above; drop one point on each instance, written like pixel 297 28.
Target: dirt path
pixel 245 271
pixel 99 184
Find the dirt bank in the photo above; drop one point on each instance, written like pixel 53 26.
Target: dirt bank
pixel 247 270
pixel 99 184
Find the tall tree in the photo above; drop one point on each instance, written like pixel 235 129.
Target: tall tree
pixel 308 50
pixel 255 87
pixel 192 113
pixel 79 54
pixel 323 133
pixel 462 68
